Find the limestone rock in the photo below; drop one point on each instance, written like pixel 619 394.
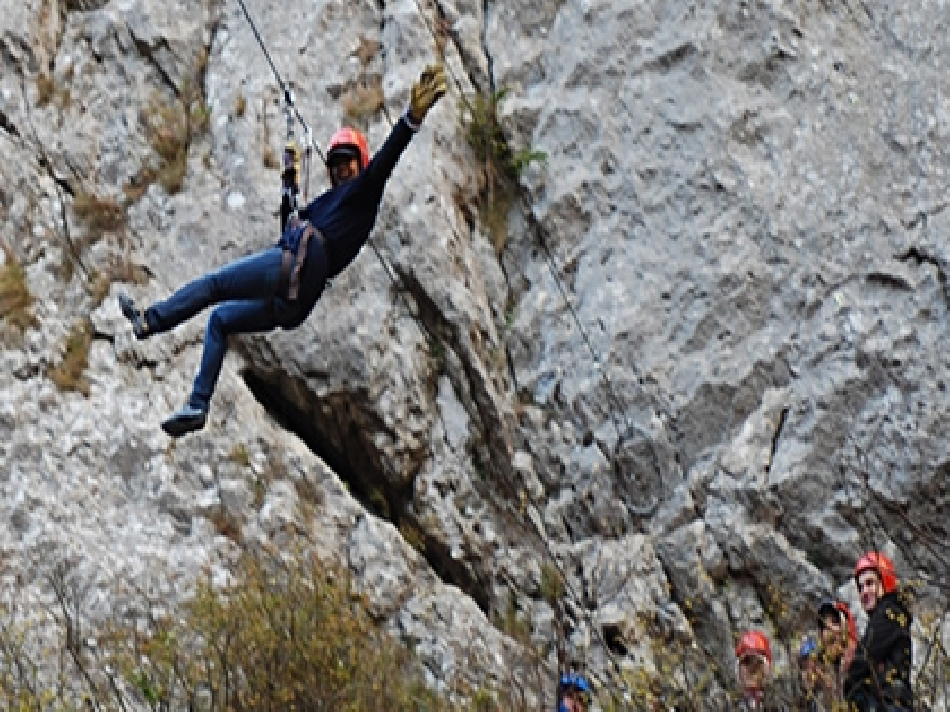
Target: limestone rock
pixel 698 353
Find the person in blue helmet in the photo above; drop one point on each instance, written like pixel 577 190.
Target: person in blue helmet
pixel 279 287
pixel 573 693
pixel 811 678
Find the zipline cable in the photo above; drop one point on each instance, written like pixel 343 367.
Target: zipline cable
pixel 625 426
pixel 622 432
pixel 288 95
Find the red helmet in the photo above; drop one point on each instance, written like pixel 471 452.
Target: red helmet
pixel 840 610
pixel 754 642
pixel 347 138
pixel 882 566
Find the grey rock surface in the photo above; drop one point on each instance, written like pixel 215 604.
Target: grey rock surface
pixel 707 362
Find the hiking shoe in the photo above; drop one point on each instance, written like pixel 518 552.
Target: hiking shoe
pixel 185 421
pixel 136 317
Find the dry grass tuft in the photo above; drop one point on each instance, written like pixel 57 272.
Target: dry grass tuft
pixel 99 213
pixel 70 373
pixel 171 128
pixel 363 98
pixel 16 302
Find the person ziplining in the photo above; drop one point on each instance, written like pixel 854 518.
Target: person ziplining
pixel 279 287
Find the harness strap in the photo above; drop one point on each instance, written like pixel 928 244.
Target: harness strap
pixel 286 261
pixel 291 264
pixel 294 285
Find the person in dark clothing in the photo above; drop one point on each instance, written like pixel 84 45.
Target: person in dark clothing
pixel 878 678
pixel 839 638
pixel 281 285
pixel 812 687
pixel 573 693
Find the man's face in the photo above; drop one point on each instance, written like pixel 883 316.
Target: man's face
pixel 573 702
pixel 343 169
pixel 752 672
pixel 869 590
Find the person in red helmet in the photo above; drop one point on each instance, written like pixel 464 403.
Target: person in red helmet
pixel 347 155
pixel 839 639
pixel 281 285
pixel 878 679
pixel 753 668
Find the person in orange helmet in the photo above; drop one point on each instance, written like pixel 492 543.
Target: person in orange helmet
pixel 753 668
pixel 279 287
pixel 878 679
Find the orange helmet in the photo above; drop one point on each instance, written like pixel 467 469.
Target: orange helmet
pixel 351 139
pixel 882 566
pixel 754 642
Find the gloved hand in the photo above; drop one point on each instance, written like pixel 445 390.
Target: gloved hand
pixel 427 90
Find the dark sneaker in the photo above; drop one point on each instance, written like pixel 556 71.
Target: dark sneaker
pixel 136 317
pixel 185 421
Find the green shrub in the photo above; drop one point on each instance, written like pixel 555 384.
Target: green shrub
pixel 240 455
pixel 552 583
pixel 486 137
pixel 500 164
pixel 45 89
pixel 283 636
pixel 413 537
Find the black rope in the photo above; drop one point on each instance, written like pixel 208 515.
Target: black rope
pixel 622 432
pixel 627 425
pixel 615 400
pixel 288 96
pixel 625 430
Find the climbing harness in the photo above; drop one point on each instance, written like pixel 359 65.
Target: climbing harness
pixel 294 242
pixel 289 181
pixel 295 234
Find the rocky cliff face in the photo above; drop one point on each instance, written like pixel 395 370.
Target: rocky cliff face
pixel 694 361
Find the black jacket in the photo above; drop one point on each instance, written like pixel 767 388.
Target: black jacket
pixel 346 214
pixel 879 676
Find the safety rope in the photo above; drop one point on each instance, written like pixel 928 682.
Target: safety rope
pixel 288 95
pixel 616 402
pixel 624 426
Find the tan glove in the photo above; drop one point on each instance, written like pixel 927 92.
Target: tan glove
pixel 427 90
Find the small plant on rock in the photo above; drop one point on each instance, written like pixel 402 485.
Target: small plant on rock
pixel 16 302
pixel 70 373
pixel 501 165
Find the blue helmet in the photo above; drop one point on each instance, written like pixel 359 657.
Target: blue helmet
pixel 572 682
pixel 808 647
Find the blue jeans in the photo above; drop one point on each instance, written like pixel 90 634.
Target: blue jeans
pixel 246 292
